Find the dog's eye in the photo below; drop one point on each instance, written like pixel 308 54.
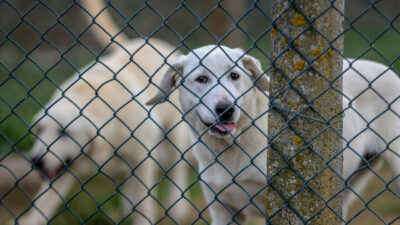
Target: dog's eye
pixel 37 130
pixel 235 76
pixel 202 79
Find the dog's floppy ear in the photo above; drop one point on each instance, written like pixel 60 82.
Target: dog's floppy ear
pixel 254 66
pixel 168 81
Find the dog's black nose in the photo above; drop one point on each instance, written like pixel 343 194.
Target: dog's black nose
pixel 224 110
pixel 37 162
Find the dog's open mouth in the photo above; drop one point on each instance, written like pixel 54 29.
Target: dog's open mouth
pixel 51 174
pixel 221 128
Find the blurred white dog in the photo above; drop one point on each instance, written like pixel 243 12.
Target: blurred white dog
pixel 228 115
pixel 98 122
pixel 99 117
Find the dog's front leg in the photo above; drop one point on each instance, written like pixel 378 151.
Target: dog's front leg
pixel 137 191
pixel 47 200
pixel 179 207
pixel 221 213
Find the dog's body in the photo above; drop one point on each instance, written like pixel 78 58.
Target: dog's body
pixel 99 117
pixel 97 122
pixel 228 172
pixel 371 126
pixel 220 102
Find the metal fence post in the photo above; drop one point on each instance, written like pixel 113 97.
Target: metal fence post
pixel 303 163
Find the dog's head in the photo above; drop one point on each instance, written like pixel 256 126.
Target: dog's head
pixel 214 85
pixel 61 132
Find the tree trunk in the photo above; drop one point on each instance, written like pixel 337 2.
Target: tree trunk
pixel 303 163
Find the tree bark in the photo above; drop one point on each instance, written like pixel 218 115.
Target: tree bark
pixel 303 163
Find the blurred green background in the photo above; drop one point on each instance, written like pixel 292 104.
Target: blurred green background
pixel 42 44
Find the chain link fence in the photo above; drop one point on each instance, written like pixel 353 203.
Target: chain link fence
pixel 79 145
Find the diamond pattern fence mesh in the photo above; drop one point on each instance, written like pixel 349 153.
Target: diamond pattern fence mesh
pixel 135 112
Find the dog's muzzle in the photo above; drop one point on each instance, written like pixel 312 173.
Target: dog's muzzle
pixel 37 163
pixel 224 124
pixel 225 110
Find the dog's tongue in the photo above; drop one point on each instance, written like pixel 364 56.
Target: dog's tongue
pixel 50 174
pixel 225 127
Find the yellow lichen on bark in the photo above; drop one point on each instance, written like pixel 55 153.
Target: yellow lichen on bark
pixel 330 54
pixel 297 139
pixel 315 52
pixel 299 65
pixel 274 32
pixel 298 20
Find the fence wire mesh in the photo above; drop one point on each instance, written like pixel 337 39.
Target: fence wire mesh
pixel 79 143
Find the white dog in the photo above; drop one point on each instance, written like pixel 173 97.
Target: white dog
pixel 98 117
pixel 227 113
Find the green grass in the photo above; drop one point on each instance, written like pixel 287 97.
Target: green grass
pixel 375 44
